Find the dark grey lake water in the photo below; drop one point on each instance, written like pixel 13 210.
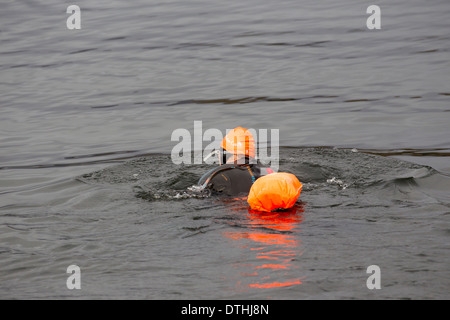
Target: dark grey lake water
pixel 86 177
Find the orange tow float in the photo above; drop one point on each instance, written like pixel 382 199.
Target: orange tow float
pixel 274 191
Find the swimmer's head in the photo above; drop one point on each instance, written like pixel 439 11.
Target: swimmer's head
pixel 238 145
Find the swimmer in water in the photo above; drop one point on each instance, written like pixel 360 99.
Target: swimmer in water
pixel 238 168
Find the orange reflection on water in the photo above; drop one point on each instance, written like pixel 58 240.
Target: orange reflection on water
pixel 273 244
pixel 276 284
pixel 273 266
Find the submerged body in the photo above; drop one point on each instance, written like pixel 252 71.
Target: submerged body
pixel 231 179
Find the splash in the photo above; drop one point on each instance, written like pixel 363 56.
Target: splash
pixel 338 182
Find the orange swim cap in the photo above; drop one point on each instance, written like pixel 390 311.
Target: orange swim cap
pixel 274 191
pixel 239 141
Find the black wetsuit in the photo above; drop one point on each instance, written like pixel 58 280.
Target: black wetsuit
pixel 231 179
